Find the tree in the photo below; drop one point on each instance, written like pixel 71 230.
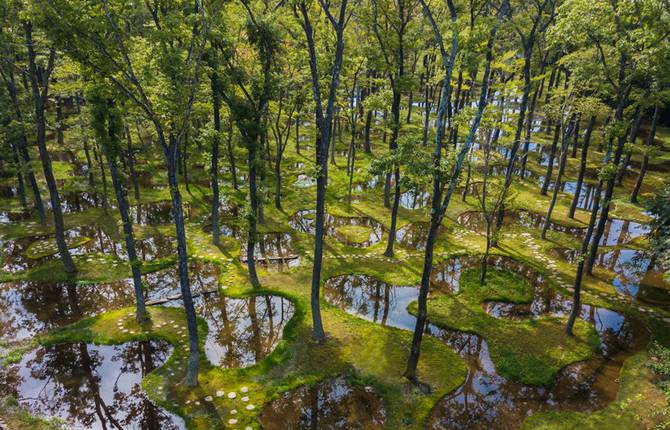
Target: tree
pixel 176 39
pixel 107 123
pixel 324 120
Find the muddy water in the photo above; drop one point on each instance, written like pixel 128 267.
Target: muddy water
pixel 241 331
pixel 304 221
pixel 273 251
pixel 329 405
pixel 28 308
pixel 90 386
pixel 487 400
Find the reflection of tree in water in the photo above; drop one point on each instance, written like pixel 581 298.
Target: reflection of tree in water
pixel 243 331
pixel 91 386
pixel 27 308
pixel 362 295
pixel 329 405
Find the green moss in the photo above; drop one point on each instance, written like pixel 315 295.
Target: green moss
pixel 354 233
pixel 17 418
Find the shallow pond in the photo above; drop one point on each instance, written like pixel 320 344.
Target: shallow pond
pixel 91 386
pixel 332 404
pixel 635 274
pixel 29 308
pixel 415 199
pixel 487 400
pixel 304 221
pixel 241 331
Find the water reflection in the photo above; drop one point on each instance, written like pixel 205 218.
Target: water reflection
pixel 329 405
pixel 29 308
pixel 304 221
pixel 487 400
pixel 273 251
pixel 90 386
pixel 241 331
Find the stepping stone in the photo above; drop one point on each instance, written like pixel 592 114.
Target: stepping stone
pixel 232 395
pixel 250 407
pixel 208 399
pixel 244 389
pixel 245 399
pixel 232 421
pixel 219 393
pixel 233 411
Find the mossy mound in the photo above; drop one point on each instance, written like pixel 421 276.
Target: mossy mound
pixel 353 233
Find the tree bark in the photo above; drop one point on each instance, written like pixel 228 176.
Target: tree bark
pixel 582 166
pixel 645 160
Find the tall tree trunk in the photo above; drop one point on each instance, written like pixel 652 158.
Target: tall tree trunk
pixel 576 295
pixel 550 165
pixel 131 164
pixel 122 203
pixel 216 105
pixel 559 176
pixel 231 155
pixel 633 137
pixel 40 89
pixel 645 160
pixel 172 159
pixel 252 143
pixel 19 176
pixel 367 147
pixel 393 146
pixel 582 166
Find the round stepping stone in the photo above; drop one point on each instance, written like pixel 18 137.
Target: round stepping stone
pixel 245 399
pixel 220 393
pixel 250 407
pixel 244 390
pixel 232 421
pixel 233 411
pixel 209 398
pixel 232 395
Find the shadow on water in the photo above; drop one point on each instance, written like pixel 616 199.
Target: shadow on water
pixel 91 386
pixel 487 400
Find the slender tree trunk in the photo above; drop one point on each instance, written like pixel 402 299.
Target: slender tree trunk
pixel 633 137
pixel 582 166
pixel 231 155
pixel 19 176
pixel 40 87
pixel 122 203
pixel 575 142
pixel 253 198
pixel 131 164
pixel 172 158
pixel 559 176
pixel 645 160
pixel 216 105
pixel 393 145
pixel 367 147
pixel 576 295
pixel 550 165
